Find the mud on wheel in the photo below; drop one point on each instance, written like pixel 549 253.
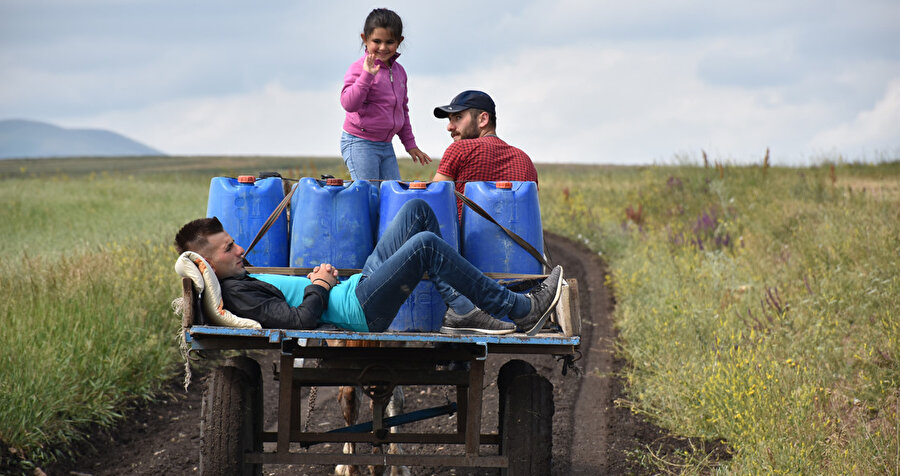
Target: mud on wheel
pixel 526 419
pixel 231 419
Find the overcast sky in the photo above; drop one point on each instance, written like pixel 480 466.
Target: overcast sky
pixel 608 82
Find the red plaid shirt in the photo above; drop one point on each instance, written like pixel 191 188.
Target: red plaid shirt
pixel 485 159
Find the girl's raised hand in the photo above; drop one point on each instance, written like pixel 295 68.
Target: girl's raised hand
pixel 419 156
pixel 369 64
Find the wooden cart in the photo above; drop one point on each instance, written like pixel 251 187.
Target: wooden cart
pixel 234 441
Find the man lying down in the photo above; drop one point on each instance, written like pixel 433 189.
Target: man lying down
pixel 368 302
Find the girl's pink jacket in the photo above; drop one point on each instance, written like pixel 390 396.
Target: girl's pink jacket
pixel 376 104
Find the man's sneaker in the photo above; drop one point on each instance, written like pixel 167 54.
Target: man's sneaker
pixel 543 298
pixel 475 321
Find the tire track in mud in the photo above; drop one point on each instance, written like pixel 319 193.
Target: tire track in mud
pixel 589 434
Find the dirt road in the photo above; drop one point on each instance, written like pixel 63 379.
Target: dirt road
pixel 591 436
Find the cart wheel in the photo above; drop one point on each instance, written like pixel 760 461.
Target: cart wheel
pixel 230 423
pixel 509 371
pixel 251 368
pixel 527 421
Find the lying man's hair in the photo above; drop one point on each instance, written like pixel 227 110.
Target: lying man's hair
pixel 192 236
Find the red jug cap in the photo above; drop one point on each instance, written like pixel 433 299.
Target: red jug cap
pixel 418 185
pixel 246 179
pixel 334 181
pixel 504 185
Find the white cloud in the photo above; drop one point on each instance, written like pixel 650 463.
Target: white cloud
pixel 574 81
pixel 271 121
pixel 623 106
pixel 878 125
pixel 639 105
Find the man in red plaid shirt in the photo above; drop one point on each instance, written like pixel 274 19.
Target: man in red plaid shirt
pixel 477 154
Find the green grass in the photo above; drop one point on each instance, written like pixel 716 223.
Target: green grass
pixel 83 336
pixel 86 273
pixel 755 305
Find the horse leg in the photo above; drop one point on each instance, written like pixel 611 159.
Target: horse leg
pixel 394 408
pixel 348 398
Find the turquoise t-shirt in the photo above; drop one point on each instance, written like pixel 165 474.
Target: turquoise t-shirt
pixel 343 309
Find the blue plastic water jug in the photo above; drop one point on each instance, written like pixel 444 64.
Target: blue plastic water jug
pixel 424 310
pixel 332 222
pixel 243 205
pixel 515 206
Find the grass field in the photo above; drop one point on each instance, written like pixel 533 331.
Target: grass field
pixel 755 304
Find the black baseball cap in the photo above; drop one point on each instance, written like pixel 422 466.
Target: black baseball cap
pixel 466 100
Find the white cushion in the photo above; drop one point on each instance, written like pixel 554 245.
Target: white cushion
pixel 206 284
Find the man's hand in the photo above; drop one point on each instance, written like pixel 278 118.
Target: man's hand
pixel 324 272
pixel 369 64
pixel 419 156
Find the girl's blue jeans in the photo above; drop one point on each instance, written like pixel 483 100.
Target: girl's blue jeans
pixel 369 160
pixel 412 246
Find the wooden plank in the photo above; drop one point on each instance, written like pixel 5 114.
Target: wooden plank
pixel 343 376
pixel 242 343
pixel 568 311
pixel 296 271
pixel 243 334
pixel 187 290
pixel 285 414
pixel 296 415
pixel 473 412
pixel 362 356
pixel 377 459
pixel 462 409
pixel 314 438
pixel 345 272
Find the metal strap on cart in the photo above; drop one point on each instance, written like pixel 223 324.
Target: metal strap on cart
pixel 466 200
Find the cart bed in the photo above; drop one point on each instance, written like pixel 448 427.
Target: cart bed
pixel 233 399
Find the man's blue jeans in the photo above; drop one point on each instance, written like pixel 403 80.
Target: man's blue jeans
pixel 369 160
pixel 412 246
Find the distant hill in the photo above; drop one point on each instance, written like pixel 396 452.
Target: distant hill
pixel 29 139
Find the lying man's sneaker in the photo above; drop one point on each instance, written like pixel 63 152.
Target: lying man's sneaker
pixel 543 299
pixel 475 321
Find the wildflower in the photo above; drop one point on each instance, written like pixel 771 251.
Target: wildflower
pixel 674 183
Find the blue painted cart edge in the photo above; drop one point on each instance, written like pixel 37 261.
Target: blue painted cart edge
pixel 275 336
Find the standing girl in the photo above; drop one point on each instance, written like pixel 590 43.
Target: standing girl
pixel 374 97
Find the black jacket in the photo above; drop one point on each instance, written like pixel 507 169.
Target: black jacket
pixel 258 300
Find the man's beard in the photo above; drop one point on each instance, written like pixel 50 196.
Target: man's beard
pixel 470 132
